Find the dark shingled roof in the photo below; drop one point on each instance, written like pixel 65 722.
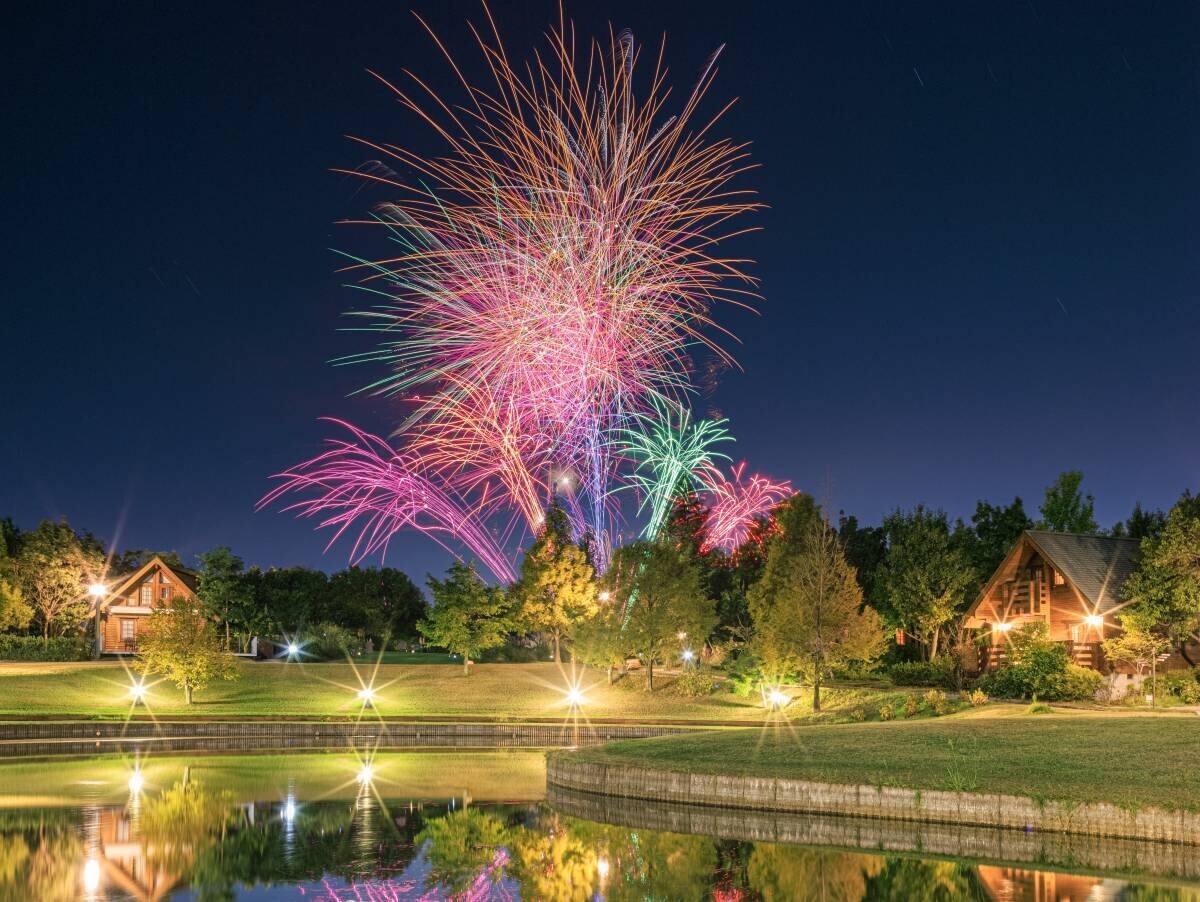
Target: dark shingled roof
pixel 1097 565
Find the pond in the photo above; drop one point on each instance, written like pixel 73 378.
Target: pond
pixel 341 826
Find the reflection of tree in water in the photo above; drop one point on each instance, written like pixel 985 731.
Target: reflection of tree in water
pixel 927 881
pixel 40 855
pixel 553 863
pixel 782 872
pixel 462 847
pixel 184 822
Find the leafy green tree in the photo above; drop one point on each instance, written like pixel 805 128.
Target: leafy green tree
pixel 288 597
pixel 132 558
pixel 1164 591
pixel 182 645
pixel 808 608
pixel 926 575
pixel 599 640
pixel 865 548
pixel 381 602
pixel 994 530
pixel 1066 508
pixel 467 615
pixel 226 594
pixel 1142 524
pixel 557 587
pixel 667 599
pixel 53 568
pixel 1139 648
pixel 15 612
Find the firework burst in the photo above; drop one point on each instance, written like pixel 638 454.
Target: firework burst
pixel 552 273
pixel 736 503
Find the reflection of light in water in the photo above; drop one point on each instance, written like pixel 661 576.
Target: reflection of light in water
pixel 289 810
pixel 136 782
pixel 602 869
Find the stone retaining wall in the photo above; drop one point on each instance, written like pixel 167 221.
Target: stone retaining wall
pixel 23 739
pixel 926 806
pixel 880 836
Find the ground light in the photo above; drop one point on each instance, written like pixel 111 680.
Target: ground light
pixel 137 691
pixel 293 649
pixel 91 876
pixel 689 655
pixel 778 699
pixel 365 775
pixel 136 782
pixel 575 697
pixel 602 869
pixel 1094 620
pixel 367 695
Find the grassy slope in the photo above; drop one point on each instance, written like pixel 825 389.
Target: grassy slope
pixel 321 690
pixel 1120 758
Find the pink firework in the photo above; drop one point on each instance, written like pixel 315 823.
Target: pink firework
pixel 550 274
pixel 736 503
pixel 365 485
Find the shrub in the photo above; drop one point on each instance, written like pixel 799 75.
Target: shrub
pixel 34 648
pixel 977 698
pixel 912 707
pixel 1182 685
pixel 886 712
pixel 1078 684
pixel 858 713
pixel 936 700
pixel 692 684
pixel 330 642
pixel 1039 708
pixel 938 673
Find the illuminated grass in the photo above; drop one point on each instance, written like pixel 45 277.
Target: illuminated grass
pixel 1119 758
pixel 330 690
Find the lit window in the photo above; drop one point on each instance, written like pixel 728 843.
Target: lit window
pixel 147 593
pixel 126 629
pixel 164 592
pixel 1059 579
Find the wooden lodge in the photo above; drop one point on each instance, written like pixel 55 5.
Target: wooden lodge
pixel 125 610
pixel 1071 582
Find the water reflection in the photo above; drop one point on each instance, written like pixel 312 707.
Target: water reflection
pixel 198 832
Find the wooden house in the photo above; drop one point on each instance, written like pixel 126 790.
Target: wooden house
pixel 124 612
pixel 1071 582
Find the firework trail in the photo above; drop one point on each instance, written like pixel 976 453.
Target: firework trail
pixel 736 503
pixel 550 275
pixel 674 456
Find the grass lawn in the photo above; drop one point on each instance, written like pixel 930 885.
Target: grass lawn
pixel 100 689
pixel 1126 759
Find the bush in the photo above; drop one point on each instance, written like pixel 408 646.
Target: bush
pixel 977 698
pixel 1079 684
pixel 938 673
pixel 330 642
pixel 1039 708
pixel 936 700
pixel 886 712
pixel 692 684
pixel 34 648
pixel 1183 685
pixel 1040 668
pixel 912 707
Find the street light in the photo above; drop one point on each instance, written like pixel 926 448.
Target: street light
pixel 137 691
pixel 604 596
pixel 1094 620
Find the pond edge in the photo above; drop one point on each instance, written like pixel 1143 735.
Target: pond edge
pixel 780 794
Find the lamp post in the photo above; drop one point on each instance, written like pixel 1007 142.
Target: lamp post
pixel 97 591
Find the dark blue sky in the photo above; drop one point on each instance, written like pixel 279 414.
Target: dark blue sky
pixel 979 263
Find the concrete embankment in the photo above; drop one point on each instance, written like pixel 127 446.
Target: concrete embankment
pixel 564 771
pixel 51 737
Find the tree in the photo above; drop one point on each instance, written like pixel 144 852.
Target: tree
pixel 53 569
pixel 1142 524
pixel 225 592
pixel 662 584
pixel 865 548
pixel 994 531
pixel 599 640
pixel 1164 591
pixel 1066 508
pixel 182 645
pixel 557 587
pixel 132 558
pixel 1139 648
pixel 15 611
pixel 467 615
pixel 808 608
pixel 925 576
pixel 288 597
pixel 381 602
pixel 461 846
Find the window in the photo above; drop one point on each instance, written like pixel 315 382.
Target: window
pixel 164 592
pixel 127 630
pixel 1059 579
pixel 147 593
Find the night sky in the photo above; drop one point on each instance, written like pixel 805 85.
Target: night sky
pixel 979 265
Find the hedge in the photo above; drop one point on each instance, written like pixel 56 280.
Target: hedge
pixel 34 648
